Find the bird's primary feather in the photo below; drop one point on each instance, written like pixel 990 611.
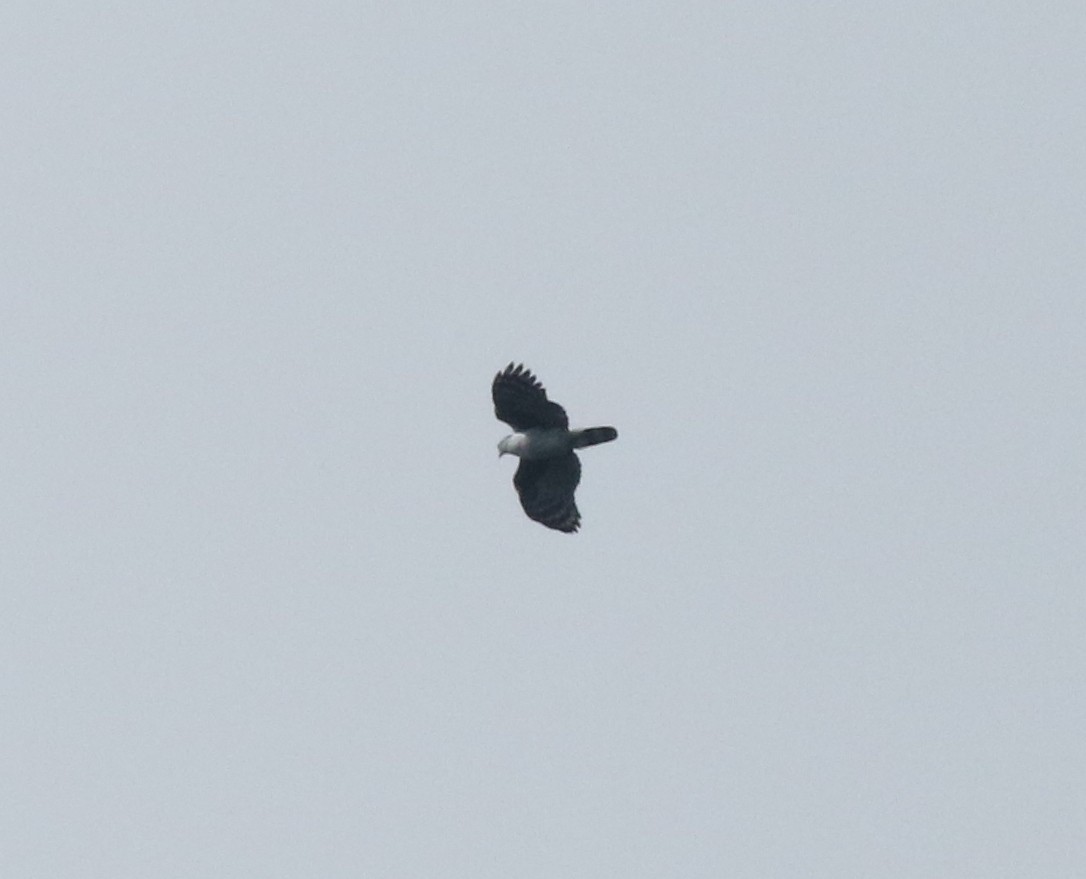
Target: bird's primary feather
pixel 546 489
pixel 521 402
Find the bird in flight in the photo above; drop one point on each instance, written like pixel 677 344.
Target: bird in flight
pixel 549 470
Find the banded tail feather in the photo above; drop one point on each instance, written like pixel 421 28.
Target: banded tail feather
pixel 593 436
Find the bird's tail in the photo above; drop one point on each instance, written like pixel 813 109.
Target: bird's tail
pixel 593 436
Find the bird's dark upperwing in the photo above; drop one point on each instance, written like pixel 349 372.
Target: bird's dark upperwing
pixel 521 402
pixel 546 489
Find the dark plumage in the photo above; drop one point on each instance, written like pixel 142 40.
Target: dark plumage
pixel 549 471
pixel 521 402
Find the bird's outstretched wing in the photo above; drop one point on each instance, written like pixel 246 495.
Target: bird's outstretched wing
pixel 546 489
pixel 521 402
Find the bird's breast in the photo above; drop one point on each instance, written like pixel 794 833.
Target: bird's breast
pixel 544 443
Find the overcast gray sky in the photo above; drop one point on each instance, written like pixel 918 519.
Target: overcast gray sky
pixel 269 605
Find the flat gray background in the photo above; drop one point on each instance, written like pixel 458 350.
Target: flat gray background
pixel 269 605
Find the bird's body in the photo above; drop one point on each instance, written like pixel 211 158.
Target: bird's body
pixel 539 442
pixel 549 471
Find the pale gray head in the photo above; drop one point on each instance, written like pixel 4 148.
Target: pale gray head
pixel 510 445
